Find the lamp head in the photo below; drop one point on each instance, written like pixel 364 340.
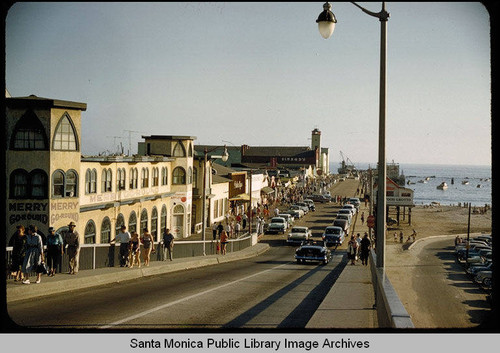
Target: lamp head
pixel 326 21
pixel 225 155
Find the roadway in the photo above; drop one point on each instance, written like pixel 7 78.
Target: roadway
pixel 270 291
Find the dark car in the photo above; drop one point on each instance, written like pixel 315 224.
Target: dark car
pixel 313 251
pixel 333 235
pixel 342 223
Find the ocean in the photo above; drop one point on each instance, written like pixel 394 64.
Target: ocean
pixel 425 193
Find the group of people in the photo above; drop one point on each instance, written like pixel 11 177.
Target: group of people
pixel 130 246
pixel 28 254
pixel 358 248
pixel 411 237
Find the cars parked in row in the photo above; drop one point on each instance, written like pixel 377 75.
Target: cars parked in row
pixel 333 236
pixel 289 218
pixel 313 251
pixel 303 206
pixel 347 217
pixel 354 201
pixel 296 211
pixel 310 204
pixel 342 223
pixel 299 235
pixel 319 198
pixel 348 206
pixel 478 260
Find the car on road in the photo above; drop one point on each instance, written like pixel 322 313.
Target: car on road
pixel 484 278
pixel 288 217
pixel 346 211
pixel 299 235
pixel 303 206
pixel 333 235
pixel 472 270
pixel 298 212
pixel 354 201
pixel 347 217
pixel 350 207
pixel 342 223
pixel 318 198
pixel 313 251
pixel 310 204
pixel 277 225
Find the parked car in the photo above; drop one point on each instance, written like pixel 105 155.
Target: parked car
pixel 346 211
pixel 484 278
pixel 277 225
pixel 355 201
pixel 310 204
pixel 342 223
pixel 288 217
pixel 313 251
pixel 303 206
pixel 345 216
pixel 485 238
pixel 318 198
pixel 296 207
pixel 327 196
pixel 299 235
pixel 350 207
pixel 333 235
pixel 472 270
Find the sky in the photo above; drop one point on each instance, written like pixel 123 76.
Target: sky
pixel 260 74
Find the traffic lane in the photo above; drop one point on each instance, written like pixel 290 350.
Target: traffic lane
pixel 214 296
pixel 434 289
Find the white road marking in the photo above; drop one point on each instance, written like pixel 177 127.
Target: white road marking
pixel 144 313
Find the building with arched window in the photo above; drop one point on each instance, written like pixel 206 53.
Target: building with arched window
pixel 51 184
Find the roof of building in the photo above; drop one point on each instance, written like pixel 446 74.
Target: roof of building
pixel 169 137
pixel 275 151
pixel 34 101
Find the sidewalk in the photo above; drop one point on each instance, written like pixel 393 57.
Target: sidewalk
pixel 63 282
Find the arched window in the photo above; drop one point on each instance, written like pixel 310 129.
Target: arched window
pixel 144 219
pixel 132 222
pixel 190 175
pixel 134 175
pixel 144 177
pixel 190 151
pixel 38 184
pixel 89 237
pixel 179 150
pixel 91 181
pixel 154 223
pixel 120 221
pixel 156 177
pixel 71 185
pixel 163 218
pixel 65 135
pixel 58 183
pixel 164 176
pixel 105 230
pixel 19 183
pixel 106 180
pixel 120 178
pixel 29 133
pixel 179 176
pixel 195 177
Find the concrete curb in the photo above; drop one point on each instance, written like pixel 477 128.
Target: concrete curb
pixel 117 275
pixel 443 236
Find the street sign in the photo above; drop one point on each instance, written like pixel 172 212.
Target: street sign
pixel 370 221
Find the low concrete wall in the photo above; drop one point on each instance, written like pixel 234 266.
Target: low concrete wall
pixel 390 311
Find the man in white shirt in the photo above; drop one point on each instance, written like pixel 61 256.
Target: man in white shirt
pixel 123 238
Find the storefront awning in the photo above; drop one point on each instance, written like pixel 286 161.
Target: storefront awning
pixel 266 190
pixel 240 197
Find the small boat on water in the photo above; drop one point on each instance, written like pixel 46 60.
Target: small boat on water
pixel 442 186
pixel 478 186
pixel 428 178
pixel 465 182
pixel 422 181
pixel 410 182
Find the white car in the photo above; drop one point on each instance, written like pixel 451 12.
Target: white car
pixel 345 216
pixel 298 208
pixel 299 234
pixel 278 225
pixel 350 207
pixel 302 205
pixel 288 217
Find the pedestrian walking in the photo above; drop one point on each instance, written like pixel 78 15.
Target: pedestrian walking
pixel 72 241
pixel 134 250
pixel 123 238
pixel 223 242
pixel 358 243
pixel 237 228
pixel 214 231
pixel 18 243
pixel 244 219
pixel 362 218
pixel 149 246
pixel 395 237
pixel 365 249
pixel 55 249
pixel 220 228
pixel 414 235
pixel 168 245
pixel 352 250
pixel 34 257
pixel 401 237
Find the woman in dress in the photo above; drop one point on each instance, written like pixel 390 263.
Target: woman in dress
pixel 365 249
pixel 148 242
pixel 18 243
pixel 223 242
pixel 55 249
pixel 34 255
pixel 135 250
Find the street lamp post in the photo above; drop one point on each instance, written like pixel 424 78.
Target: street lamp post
pixel 224 157
pixel 326 24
